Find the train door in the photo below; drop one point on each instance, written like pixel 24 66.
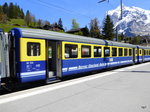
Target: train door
pixel 133 55
pixel 53 60
pixel 142 55
pixel 138 55
pixel 0 58
pixel 4 65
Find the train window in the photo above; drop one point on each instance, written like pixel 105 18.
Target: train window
pixel 97 51
pixel 71 51
pixel 144 52
pixel 114 51
pixel 136 51
pixel 125 52
pixel 130 52
pixel 33 49
pixel 120 52
pixel 106 51
pixel 86 51
pixel 140 51
pixel 149 52
pixel 49 51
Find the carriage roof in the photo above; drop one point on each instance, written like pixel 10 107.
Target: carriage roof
pixel 45 34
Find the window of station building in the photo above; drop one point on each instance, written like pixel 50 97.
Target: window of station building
pixel 97 51
pixel 130 52
pixel 71 51
pixel 125 52
pixel 85 51
pixel 114 51
pixel 33 49
pixel 106 51
pixel 120 52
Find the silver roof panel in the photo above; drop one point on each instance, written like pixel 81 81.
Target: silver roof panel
pixel 45 34
pixel 37 33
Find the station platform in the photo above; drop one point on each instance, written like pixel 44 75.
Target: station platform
pixel 121 90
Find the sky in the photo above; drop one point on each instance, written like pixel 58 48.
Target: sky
pixel 81 10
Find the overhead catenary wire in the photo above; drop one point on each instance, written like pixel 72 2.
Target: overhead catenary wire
pixel 50 5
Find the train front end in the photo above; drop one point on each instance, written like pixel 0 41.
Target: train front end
pixel 2 58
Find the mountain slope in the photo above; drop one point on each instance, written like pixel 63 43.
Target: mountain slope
pixel 135 21
pixel 20 23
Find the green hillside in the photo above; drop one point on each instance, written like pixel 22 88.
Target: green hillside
pixel 13 23
pixel 21 22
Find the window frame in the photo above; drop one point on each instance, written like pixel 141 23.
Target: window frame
pixel 125 51
pixel 140 51
pixel 28 43
pixel 130 51
pixel 72 56
pixel 97 48
pixel 145 53
pixel 109 52
pixel 119 52
pixel 116 51
pixel 86 56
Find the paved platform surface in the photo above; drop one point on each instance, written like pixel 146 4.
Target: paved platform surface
pixel 122 90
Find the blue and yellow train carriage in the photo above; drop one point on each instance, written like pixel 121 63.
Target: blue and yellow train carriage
pixel 36 55
pixel 80 57
pixel 146 54
pixel 44 55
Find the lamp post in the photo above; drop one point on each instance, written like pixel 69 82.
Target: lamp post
pixel 121 8
pixel 120 15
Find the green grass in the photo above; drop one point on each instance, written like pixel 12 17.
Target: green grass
pixel 11 24
pixel 7 28
pixel 20 22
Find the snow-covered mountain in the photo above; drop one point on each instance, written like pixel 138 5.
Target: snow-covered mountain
pixel 135 21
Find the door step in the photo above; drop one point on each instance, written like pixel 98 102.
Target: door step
pixel 52 80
